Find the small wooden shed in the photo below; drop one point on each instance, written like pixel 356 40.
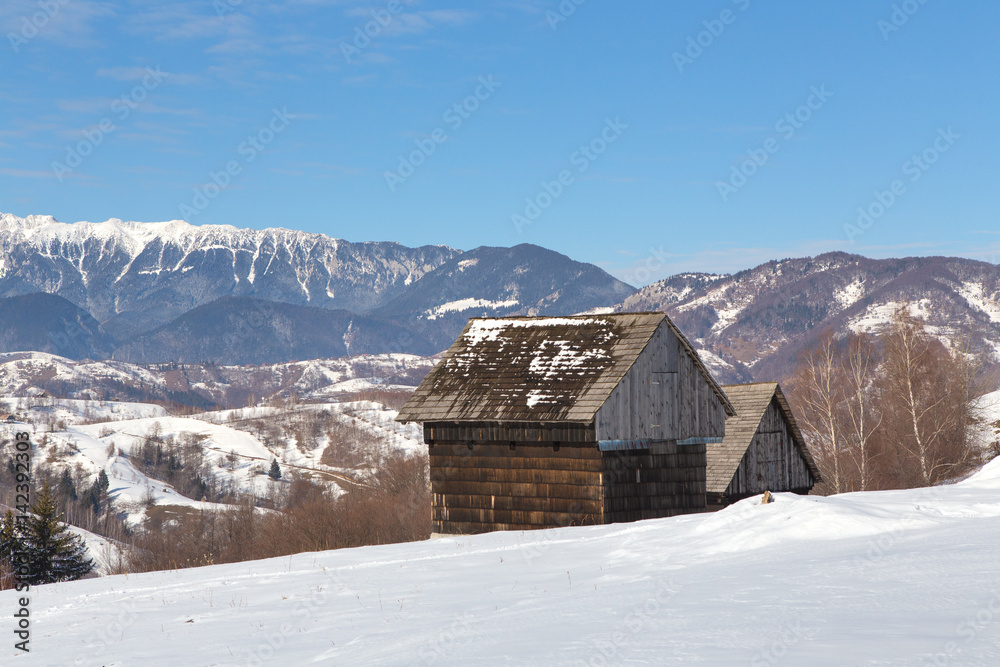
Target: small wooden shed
pixel 763 449
pixel 553 421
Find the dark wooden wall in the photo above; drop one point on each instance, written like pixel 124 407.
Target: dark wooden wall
pixel 772 462
pixel 663 396
pixel 663 481
pixel 493 487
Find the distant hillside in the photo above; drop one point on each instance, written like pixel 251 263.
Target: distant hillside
pixel 240 330
pixel 206 385
pixel 49 323
pixel 754 323
pixel 499 282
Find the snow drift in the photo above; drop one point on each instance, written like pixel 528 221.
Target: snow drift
pixel 889 578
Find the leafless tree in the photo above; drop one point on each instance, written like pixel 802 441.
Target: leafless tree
pixel 819 389
pixel 864 417
pixel 930 392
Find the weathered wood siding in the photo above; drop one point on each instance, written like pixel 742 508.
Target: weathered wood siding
pixel 663 396
pixel 772 462
pixel 664 481
pixel 492 487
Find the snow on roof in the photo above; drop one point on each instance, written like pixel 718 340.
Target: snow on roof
pixel 536 369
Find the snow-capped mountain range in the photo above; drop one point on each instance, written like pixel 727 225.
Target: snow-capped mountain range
pixel 137 279
pixel 133 276
pixel 171 291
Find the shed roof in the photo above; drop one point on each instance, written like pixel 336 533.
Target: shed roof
pixel 538 369
pixel 751 402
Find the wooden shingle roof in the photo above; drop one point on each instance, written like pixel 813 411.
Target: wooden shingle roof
pixel 751 402
pixel 537 369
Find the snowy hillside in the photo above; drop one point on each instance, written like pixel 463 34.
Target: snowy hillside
pixel 879 578
pixel 28 374
pixel 86 437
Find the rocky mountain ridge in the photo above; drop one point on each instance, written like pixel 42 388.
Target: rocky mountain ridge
pixel 172 291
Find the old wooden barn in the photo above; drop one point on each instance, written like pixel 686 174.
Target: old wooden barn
pixel 540 422
pixel 763 449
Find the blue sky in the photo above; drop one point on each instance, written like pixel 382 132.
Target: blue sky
pixel 648 137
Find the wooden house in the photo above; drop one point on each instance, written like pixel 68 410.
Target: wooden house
pixel 763 449
pixel 592 419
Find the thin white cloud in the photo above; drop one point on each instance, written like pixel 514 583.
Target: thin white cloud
pixel 88 105
pixel 414 23
pixel 188 21
pixel 140 73
pixel 106 106
pixel 71 24
pixel 26 173
pixel 237 46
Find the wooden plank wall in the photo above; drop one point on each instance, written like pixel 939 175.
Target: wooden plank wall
pixel 701 413
pixel 491 487
pixel 772 462
pixel 664 481
pixel 662 397
pixel 644 404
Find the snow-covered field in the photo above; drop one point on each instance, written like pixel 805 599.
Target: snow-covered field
pixel 878 578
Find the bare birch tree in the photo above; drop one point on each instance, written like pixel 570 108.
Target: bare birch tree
pixel 821 395
pixel 931 392
pixel 864 418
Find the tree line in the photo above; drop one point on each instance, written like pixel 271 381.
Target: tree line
pixel 896 410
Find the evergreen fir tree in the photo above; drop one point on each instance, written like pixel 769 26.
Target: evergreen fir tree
pixel 275 471
pixel 10 538
pixel 55 554
pixel 98 492
pixel 66 488
pixel 10 543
